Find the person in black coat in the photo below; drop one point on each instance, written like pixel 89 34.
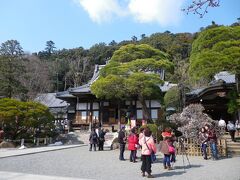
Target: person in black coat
pixel 93 139
pixel 101 139
pixel 122 142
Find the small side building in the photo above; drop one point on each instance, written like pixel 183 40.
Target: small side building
pixel 58 107
pixel 215 97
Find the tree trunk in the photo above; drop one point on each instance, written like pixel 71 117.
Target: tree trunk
pixel 146 114
pixel 119 115
pixel 65 83
pixel 237 78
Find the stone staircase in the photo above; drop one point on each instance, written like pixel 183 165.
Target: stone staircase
pixel 233 148
pixel 83 135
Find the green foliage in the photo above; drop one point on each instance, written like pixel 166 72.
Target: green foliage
pixel 178 46
pixel 143 85
pixel 19 118
pixel 11 69
pixel 215 49
pixel 50 47
pixel 110 87
pixel 232 103
pixel 101 52
pixel 172 97
pixel 152 127
pixel 132 72
pixel 132 52
pixel 129 76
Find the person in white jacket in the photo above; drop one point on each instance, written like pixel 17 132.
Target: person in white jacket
pixel 232 129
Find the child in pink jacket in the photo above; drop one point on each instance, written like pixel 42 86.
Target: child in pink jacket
pixel 148 147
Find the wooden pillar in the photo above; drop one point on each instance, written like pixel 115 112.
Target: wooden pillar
pixel 22 142
pixel 150 108
pixel 101 112
pixel 37 142
pixel 45 141
pixel 91 113
pixel 119 115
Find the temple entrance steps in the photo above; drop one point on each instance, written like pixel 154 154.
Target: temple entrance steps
pixel 83 135
pixel 233 148
pixel 110 138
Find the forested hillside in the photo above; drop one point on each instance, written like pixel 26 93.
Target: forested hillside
pixel 50 70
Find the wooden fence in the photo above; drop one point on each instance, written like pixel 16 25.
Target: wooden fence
pixel 192 148
pixel 35 141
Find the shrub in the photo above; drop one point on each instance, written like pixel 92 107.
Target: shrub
pixel 152 127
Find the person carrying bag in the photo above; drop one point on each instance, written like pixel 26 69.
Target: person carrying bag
pixel 148 148
pixel 153 156
pixel 167 148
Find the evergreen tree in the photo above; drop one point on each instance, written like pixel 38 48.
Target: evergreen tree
pixel 133 72
pixel 11 69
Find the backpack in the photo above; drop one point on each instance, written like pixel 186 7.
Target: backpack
pixel 231 127
pixel 94 136
pixel 101 136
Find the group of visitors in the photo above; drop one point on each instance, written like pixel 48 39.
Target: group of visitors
pixel 145 141
pixel 97 138
pixel 207 136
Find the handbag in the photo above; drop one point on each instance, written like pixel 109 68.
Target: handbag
pixel 153 157
pixel 171 149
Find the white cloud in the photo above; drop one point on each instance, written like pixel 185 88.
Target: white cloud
pixel 101 10
pixel 164 12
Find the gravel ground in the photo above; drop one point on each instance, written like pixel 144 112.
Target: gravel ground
pixel 80 163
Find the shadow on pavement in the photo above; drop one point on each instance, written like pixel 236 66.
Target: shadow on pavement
pixel 187 166
pixel 168 174
pixel 174 173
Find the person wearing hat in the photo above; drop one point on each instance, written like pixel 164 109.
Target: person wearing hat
pixel 122 142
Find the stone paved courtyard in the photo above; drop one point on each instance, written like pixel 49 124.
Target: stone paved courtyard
pixel 82 164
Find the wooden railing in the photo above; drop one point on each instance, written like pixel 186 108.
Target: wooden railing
pixel 34 141
pixel 192 148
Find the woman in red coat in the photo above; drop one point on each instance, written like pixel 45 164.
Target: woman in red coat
pixel 132 144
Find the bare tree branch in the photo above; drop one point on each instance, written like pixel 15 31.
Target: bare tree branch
pixel 200 7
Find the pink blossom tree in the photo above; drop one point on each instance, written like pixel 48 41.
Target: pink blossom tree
pixel 192 119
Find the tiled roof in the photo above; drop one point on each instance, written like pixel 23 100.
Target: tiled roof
pixel 86 88
pixel 195 91
pixel 166 86
pixel 64 94
pixel 50 100
pixel 225 76
pixel 219 78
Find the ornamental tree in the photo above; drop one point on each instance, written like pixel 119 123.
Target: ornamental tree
pixel 22 118
pixel 192 119
pixel 133 71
